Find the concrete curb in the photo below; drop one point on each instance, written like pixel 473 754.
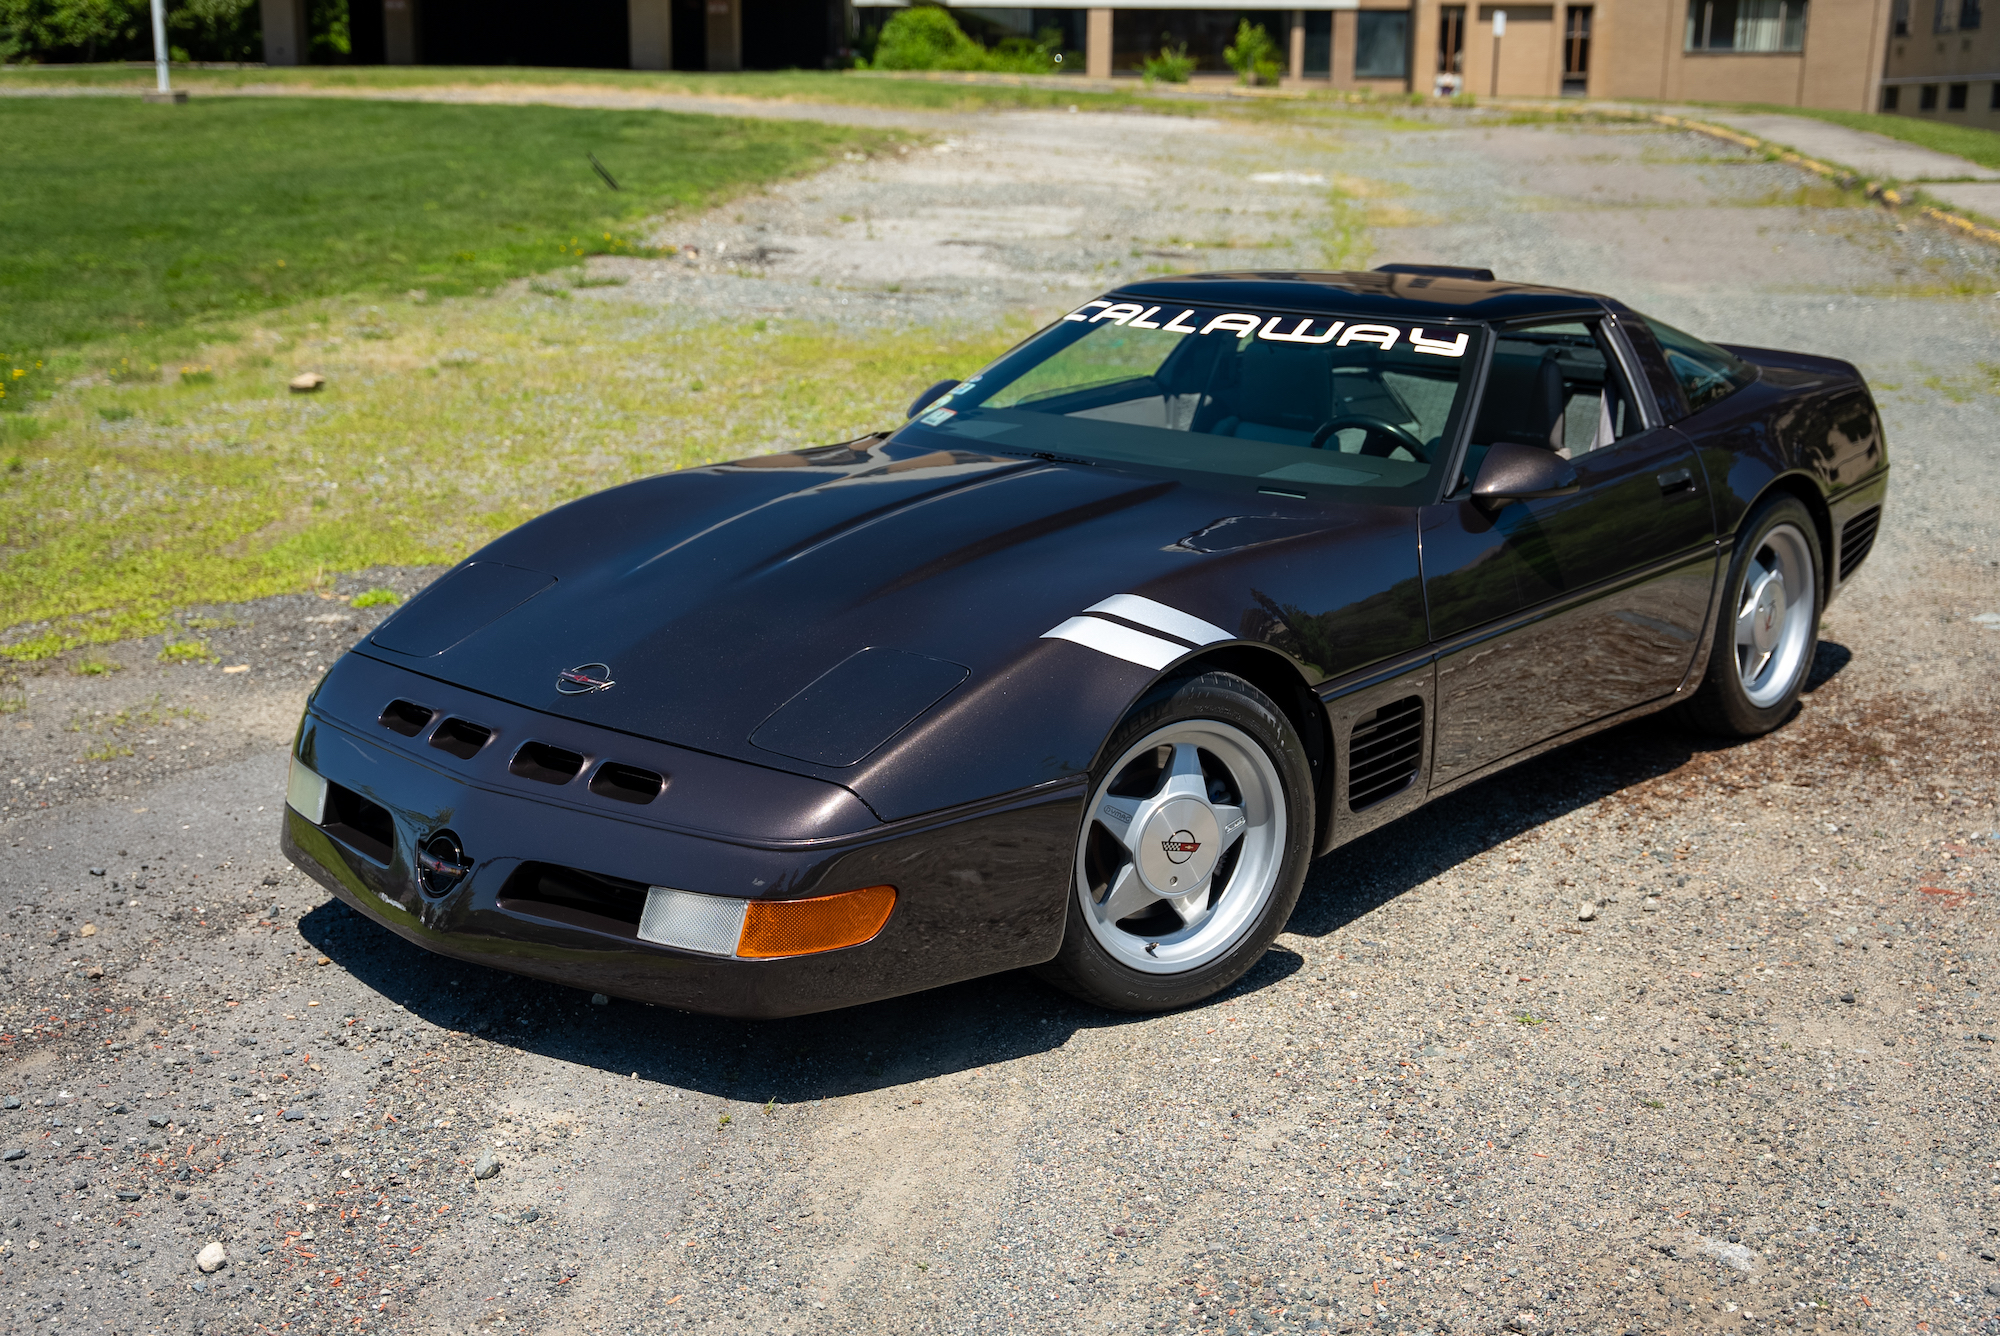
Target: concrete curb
pixel 1890 196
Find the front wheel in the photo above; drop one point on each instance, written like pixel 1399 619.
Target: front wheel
pixel 1769 625
pixel 1192 849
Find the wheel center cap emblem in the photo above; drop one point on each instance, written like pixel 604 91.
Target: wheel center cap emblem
pixel 584 679
pixel 1177 851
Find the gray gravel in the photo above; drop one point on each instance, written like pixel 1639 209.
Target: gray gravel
pixel 1754 1089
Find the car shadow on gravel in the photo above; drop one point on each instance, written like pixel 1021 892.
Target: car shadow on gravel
pixel 1386 863
pixel 880 1045
pixel 982 1021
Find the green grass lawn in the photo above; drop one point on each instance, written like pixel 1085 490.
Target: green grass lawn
pixel 943 92
pixel 1975 145
pixel 124 218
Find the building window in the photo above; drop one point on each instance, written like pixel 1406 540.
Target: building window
pixel 1944 17
pixel 1892 95
pixel 1319 44
pixel 1968 15
pixel 1747 25
pixel 1899 19
pixel 1451 40
pixel 1993 99
pixel 1382 44
pixel 1576 49
pixel 1927 98
pixel 1954 97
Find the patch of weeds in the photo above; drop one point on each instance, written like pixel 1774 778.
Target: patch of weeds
pixel 96 667
pixel 1529 1018
pixel 16 464
pixel 13 697
pixel 1964 388
pixel 599 281
pixel 723 1121
pixel 186 651
pixel 377 598
pixel 106 751
pixel 771 1107
pixel 110 729
pixel 1654 1103
pixel 547 289
pixel 114 414
pixel 1343 235
pixel 197 375
pixel 127 372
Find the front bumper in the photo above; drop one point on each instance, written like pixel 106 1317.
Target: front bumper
pixel 979 890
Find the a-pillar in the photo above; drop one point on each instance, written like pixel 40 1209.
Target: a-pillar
pixel 400 42
pixel 1097 43
pixel 1296 67
pixel 652 33
pixel 725 34
pixel 284 32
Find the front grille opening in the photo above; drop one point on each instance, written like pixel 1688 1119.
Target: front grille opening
pixel 407 717
pixel 626 783
pixel 461 737
pixel 1385 752
pixel 551 765
pixel 361 825
pixel 1856 537
pixel 579 899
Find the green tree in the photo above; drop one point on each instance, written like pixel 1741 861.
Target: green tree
pixel 1254 57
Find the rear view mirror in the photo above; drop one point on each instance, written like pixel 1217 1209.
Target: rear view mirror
pixel 930 396
pixel 1514 472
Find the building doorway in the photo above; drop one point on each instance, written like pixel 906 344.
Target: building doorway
pixel 1576 50
pixel 1450 79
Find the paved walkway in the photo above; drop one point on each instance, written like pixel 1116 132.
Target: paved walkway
pixel 1870 154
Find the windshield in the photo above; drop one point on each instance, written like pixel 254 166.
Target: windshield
pixel 1301 406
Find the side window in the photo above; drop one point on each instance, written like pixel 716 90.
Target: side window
pixel 1706 374
pixel 1556 386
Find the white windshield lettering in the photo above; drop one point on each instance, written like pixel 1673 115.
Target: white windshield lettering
pixel 1235 322
pixel 1453 347
pixel 1141 322
pixel 1385 335
pixel 1176 325
pixel 1118 314
pixel 1298 334
pixel 1078 313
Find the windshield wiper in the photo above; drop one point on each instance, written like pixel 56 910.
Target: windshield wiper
pixel 1049 455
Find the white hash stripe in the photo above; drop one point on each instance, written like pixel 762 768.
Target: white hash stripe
pixel 1160 617
pixel 1120 642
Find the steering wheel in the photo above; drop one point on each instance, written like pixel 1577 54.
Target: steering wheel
pixel 1383 436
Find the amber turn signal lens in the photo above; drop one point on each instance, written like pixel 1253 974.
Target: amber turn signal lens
pixel 801 927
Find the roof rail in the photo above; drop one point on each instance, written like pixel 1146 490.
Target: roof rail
pixel 1438 271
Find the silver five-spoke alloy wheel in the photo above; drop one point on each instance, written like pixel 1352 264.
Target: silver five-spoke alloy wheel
pixel 1183 846
pixel 1774 615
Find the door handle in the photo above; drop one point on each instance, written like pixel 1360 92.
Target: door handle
pixel 1677 482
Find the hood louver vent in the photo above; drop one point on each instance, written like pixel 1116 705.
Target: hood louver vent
pixel 1385 752
pixel 461 737
pixel 1856 537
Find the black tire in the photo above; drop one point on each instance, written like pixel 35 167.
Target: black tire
pixel 1085 967
pixel 1723 704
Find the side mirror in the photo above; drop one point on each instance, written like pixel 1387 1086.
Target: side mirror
pixel 930 396
pixel 1513 472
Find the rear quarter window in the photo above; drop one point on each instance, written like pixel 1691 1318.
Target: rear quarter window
pixel 1705 373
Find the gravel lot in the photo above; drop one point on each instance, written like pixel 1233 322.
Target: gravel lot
pixel 1753 1089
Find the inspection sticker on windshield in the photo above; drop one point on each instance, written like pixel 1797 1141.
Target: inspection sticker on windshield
pixel 1275 328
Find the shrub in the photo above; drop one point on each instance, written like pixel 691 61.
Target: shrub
pixel 376 598
pixel 1254 57
pixel 925 37
pixel 1172 65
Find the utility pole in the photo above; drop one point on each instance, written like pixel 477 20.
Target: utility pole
pixel 165 92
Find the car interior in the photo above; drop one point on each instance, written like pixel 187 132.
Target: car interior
pixel 1555 387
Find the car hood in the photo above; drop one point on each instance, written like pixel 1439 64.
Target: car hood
pixel 710 598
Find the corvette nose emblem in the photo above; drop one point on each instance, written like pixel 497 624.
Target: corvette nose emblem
pixel 1181 847
pixel 584 679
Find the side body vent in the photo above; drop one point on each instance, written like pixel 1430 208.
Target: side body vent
pixel 461 737
pixel 1385 752
pixel 1856 537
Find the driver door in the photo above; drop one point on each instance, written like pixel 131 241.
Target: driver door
pixel 1553 613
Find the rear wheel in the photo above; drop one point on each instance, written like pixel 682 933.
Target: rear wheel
pixel 1769 624
pixel 1192 849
